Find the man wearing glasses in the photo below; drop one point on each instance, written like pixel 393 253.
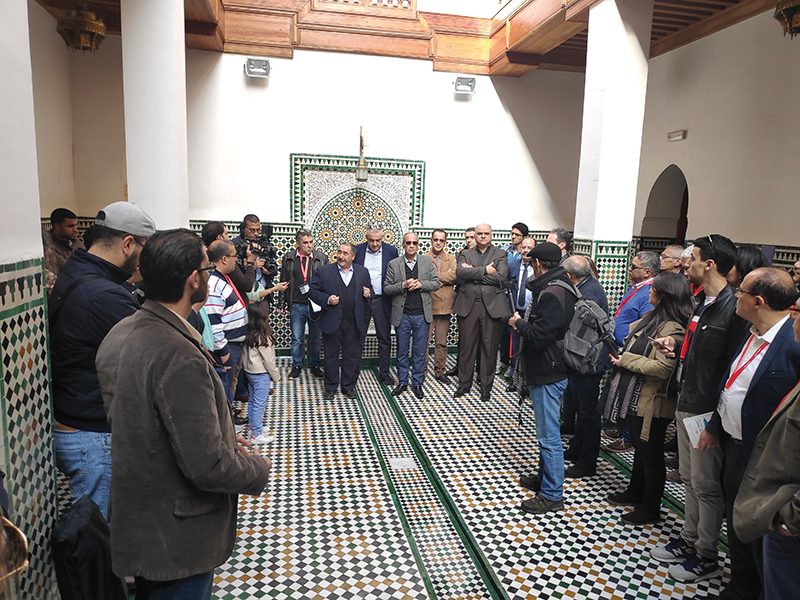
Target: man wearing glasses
pixel 441 301
pixel 671 261
pixel 765 369
pixel 409 280
pixel 636 302
pixel 227 312
pixel 480 304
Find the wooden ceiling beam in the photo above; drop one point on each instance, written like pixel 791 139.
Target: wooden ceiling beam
pixel 722 20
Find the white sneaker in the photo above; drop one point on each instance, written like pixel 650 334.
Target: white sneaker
pixel 261 439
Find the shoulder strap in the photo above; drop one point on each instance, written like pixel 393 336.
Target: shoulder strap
pixel 57 303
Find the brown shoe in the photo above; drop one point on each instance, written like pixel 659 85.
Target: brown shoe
pixel 674 476
pixel 619 446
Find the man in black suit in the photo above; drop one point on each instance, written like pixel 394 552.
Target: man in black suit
pixel 480 304
pixel 763 372
pixel 344 291
pixel 374 255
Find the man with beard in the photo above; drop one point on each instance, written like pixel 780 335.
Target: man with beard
pixel 88 299
pixel 178 465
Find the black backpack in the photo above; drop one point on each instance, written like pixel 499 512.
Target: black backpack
pixel 589 336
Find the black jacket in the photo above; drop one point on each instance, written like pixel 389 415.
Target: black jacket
pixel 551 313
pixel 287 273
pixel 714 343
pixel 85 318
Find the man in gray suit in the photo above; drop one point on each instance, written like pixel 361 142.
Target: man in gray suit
pixel 410 279
pixel 480 304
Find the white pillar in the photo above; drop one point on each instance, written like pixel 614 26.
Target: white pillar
pixel 617 56
pixel 154 79
pixel 20 229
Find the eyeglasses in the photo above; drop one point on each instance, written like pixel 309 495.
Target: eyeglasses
pixel 210 267
pixel 794 311
pixel 410 243
pixel 440 240
pixel 634 267
pixel 672 257
pixel 740 291
pixel 516 234
pixel 231 255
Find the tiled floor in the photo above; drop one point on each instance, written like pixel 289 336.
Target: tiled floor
pixel 407 498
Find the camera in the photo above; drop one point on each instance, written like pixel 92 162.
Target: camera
pixel 263 247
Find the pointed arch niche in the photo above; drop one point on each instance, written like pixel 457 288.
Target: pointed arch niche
pixel 667 206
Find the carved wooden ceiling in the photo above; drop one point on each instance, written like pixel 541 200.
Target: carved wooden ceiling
pixel 526 34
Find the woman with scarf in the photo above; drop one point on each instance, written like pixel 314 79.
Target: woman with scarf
pixel 638 393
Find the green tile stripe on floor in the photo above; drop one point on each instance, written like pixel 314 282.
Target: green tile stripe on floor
pixel 668 500
pixel 479 559
pixel 396 500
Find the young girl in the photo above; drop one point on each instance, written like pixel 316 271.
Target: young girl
pixel 259 364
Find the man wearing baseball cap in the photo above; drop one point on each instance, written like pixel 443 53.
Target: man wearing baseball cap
pixel 541 369
pixel 87 301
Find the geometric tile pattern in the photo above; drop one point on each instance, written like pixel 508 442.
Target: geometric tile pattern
pixel 612 259
pixel 27 452
pixel 322 527
pixel 478 449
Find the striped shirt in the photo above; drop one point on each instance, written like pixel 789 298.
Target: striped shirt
pixel 226 313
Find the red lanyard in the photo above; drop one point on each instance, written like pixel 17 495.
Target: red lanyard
pixel 741 367
pixel 631 295
pixel 691 328
pixel 228 279
pixel 304 268
pixel 777 408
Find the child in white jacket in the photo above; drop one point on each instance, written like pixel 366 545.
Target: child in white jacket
pixel 259 364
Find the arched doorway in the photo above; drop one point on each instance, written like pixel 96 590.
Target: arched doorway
pixel 667 206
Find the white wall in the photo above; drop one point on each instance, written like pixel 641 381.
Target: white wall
pixel 737 93
pixel 98 119
pixel 482 157
pixel 20 237
pixel 52 100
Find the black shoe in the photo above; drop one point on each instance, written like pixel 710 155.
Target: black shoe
pixel 399 390
pixel 461 392
pixel 417 389
pixel 237 420
pixel 576 472
pixel 452 372
pixel 443 379
pixel 351 393
pixel 295 372
pixel 530 483
pixel 511 387
pixel 387 380
pixel 640 516
pixel 485 397
pixel 329 394
pixel 243 398
pixel 318 372
pixel 623 499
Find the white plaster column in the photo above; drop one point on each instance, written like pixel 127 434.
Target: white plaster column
pixel 154 80
pixel 613 115
pixel 20 227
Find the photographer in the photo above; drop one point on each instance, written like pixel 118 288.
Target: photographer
pixel 244 275
pixel 249 242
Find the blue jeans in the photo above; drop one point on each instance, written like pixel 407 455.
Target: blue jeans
pixel 412 326
pixel 299 318
pixel 259 390
pixel 196 587
pixel 235 350
pixel 546 400
pixel 85 457
pixel 781 566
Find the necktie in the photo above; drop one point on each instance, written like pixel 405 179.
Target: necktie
pixel 521 296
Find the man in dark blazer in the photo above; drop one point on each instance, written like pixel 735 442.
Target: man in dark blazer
pixel 344 292
pixel 766 367
pixel 480 304
pixel 374 255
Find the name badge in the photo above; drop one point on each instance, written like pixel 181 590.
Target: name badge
pixel 724 397
pixel 304 288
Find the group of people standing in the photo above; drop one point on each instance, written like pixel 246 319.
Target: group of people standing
pixel 707 336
